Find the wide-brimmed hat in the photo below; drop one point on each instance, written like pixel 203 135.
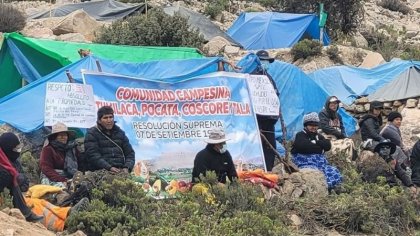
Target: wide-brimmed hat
pixel 59 128
pixel 384 144
pixel 376 104
pixel 216 136
pixel 263 55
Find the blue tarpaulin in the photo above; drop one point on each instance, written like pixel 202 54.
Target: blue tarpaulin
pixel 298 95
pixel 348 82
pixel 268 30
pixel 24 108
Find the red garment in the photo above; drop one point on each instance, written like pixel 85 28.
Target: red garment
pixel 51 160
pixel 5 163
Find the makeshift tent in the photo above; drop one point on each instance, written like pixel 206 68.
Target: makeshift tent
pixel 24 108
pixel 30 59
pixel 349 83
pixel 406 85
pixel 198 21
pixel 268 30
pixel 106 10
pixel 298 95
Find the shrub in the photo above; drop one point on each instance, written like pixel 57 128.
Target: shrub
pixel 411 53
pixel 268 3
pixel 30 167
pixel 155 29
pixel 333 54
pixel 395 5
pixel 5 199
pixel 215 7
pixel 11 19
pixel 343 16
pixel 306 48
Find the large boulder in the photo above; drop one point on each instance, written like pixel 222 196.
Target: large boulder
pixel 305 183
pixel 10 225
pixel 215 46
pixel 78 22
pixel 372 59
pixel 73 37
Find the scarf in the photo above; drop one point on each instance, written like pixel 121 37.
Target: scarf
pixel 70 160
pixel 5 163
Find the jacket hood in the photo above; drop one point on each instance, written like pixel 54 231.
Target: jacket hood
pixel 333 114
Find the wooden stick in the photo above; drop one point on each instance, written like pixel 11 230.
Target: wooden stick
pixel 291 167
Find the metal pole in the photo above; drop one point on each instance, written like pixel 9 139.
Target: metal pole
pixel 321 35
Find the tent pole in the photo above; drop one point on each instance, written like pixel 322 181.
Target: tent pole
pixel 70 77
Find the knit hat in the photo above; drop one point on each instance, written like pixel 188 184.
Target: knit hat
pixel 8 141
pixel 105 110
pixel 394 115
pixel 311 119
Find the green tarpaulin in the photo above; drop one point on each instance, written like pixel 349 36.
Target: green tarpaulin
pixel 28 58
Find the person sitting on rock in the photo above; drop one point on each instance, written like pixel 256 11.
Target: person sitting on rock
pixel 214 157
pixel 385 149
pixel 10 148
pixel 370 126
pixel 330 122
pixel 309 147
pixel 392 132
pixel 107 146
pixel 58 159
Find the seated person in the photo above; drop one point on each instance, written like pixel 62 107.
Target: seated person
pixel 385 150
pixel 107 146
pixel 370 126
pixel 415 163
pixel 309 147
pixel 330 122
pixel 392 132
pixel 58 160
pixel 10 148
pixel 214 157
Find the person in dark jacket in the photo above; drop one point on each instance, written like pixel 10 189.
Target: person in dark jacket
pixel 214 157
pixel 370 126
pixel 107 146
pixel 385 149
pixel 10 148
pixel 309 147
pixel 330 121
pixel 415 163
pixel 392 129
pixel 58 161
pixel 267 123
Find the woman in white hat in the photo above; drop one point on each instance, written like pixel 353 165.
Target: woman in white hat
pixel 58 160
pixel 214 157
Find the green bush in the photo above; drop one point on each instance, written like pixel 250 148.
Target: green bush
pixel 154 29
pixel 411 53
pixel 11 19
pixel 343 16
pixel 215 7
pixel 306 48
pixel 333 54
pixel 5 199
pixel 395 5
pixel 30 167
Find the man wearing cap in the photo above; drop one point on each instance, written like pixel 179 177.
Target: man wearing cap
pixel 370 126
pixel 107 146
pixel 58 161
pixel 267 123
pixel 309 147
pixel 214 157
pixel 330 121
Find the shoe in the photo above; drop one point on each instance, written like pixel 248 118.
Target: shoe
pixel 34 218
pixel 82 205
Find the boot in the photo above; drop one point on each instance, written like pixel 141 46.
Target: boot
pixel 34 218
pixel 82 205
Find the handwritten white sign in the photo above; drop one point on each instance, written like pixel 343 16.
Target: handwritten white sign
pixel 70 103
pixel 263 95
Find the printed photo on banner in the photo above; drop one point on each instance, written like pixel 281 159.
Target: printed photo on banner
pixel 167 123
